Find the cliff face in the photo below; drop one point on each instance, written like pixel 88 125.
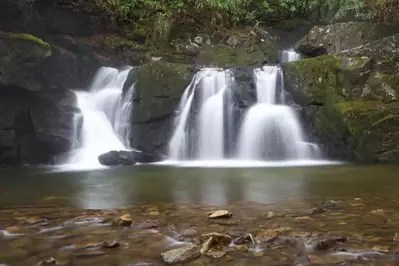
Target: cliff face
pixel 346 88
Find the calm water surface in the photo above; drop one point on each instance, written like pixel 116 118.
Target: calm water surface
pixel 122 186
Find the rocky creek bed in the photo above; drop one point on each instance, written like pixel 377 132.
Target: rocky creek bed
pixel 296 231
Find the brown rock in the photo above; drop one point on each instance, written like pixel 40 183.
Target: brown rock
pixel 181 255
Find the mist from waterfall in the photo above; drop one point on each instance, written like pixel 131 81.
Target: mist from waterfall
pixel 106 111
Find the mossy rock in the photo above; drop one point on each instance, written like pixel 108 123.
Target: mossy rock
pixel 365 124
pixel 120 42
pixel 226 57
pixel 26 37
pixel 339 37
pixel 158 90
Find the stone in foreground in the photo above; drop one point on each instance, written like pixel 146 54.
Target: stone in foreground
pixel 220 214
pixel 181 255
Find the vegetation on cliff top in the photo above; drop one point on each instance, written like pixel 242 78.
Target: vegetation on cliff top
pixel 240 11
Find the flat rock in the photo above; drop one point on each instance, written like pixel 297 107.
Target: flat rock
pixel 181 255
pixel 220 214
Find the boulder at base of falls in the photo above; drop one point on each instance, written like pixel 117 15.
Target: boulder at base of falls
pixel 128 158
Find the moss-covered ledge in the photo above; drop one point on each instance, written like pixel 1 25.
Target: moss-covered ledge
pixel 26 37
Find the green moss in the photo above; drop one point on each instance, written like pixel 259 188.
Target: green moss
pixel 158 89
pixel 27 37
pixel 123 42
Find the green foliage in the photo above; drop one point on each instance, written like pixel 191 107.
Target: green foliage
pixel 235 11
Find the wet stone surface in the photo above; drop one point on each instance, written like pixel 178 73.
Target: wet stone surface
pixel 358 231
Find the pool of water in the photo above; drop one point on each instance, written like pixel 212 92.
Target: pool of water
pixel 120 186
pixel 319 215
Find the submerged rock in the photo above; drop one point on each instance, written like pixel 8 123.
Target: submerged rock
pixel 128 158
pixel 181 255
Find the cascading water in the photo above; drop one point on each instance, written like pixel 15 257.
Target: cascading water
pixel 207 92
pixel 289 56
pixel 106 114
pixel 271 131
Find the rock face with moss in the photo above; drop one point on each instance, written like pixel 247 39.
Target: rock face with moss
pixel 158 90
pixel 339 37
pixel 350 107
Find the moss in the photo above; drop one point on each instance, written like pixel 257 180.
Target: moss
pixel 117 42
pixel 158 89
pixel 27 37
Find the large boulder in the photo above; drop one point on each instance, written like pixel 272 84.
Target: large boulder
pixel 335 38
pixel 348 106
pixel 157 94
pixel 35 126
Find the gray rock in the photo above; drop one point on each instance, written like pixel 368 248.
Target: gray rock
pixel 181 255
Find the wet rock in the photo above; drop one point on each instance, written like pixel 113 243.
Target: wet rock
pixel 217 238
pixel 242 248
pixel 49 261
pixel 110 244
pixel 124 220
pixel 313 211
pixel 243 239
pixel 206 245
pixel 190 233
pixel 330 242
pixel 150 224
pixel 181 255
pixel 271 234
pixel 220 214
pixel 32 221
pixel 330 205
pixel 216 254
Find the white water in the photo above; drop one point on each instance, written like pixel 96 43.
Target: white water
pixel 106 118
pixel 289 56
pixel 206 93
pixel 272 131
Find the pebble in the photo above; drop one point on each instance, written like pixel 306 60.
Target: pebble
pixel 220 214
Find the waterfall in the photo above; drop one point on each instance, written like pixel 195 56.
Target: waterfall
pixel 289 56
pixel 272 131
pixel 106 114
pixel 203 108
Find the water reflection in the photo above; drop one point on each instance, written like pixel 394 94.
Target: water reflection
pixel 118 187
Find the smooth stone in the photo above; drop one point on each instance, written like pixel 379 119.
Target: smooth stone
pixel 181 255
pixel 220 214
pixel 216 254
pixel 190 233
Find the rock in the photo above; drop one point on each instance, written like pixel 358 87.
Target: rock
pixel 150 224
pixel 127 158
pixel 339 37
pixel 351 106
pixel 124 220
pixel 385 49
pixel 206 245
pixel 49 261
pixel 181 255
pixel 220 214
pixel 313 211
pixel 243 240
pixel 330 205
pixel 110 244
pixel 35 127
pixel 158 91
pixel 271 234
pixel 217 238
pixel 216 254
pixel 190 233
pixel 90 253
